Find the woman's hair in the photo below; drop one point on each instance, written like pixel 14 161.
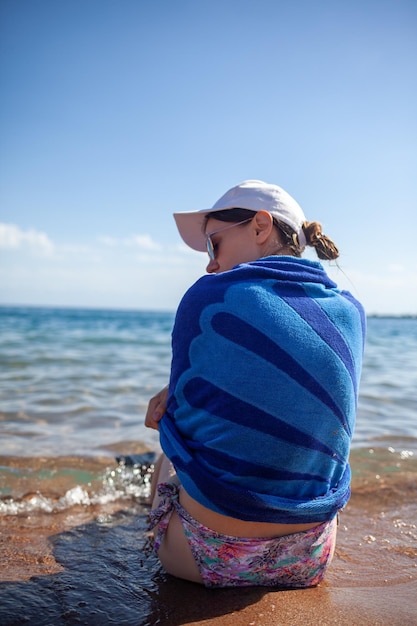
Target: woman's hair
pixel 323 245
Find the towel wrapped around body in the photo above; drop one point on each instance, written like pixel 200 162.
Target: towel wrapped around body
pixel 266 361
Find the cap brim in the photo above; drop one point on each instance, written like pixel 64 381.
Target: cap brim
pixel 191 228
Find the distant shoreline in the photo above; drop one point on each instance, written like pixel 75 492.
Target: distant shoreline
pixel 91 309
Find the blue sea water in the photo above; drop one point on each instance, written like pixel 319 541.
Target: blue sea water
pixel 76 381
pixel 74 388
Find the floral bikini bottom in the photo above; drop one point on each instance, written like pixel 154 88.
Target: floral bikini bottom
pixel 292 561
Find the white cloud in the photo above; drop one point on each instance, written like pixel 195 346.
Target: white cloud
pixel 143 242
pixel 110 271
pixel 397 268
pixel 111 242
pixel 13 238
pixel 132 271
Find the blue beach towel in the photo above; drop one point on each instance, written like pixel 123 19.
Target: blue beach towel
pixel 263 391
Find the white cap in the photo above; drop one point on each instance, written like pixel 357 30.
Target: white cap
pixel 254 195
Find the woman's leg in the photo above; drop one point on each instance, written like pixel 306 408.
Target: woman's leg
pixel 174 553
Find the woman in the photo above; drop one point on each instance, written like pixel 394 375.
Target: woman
pixel 257 419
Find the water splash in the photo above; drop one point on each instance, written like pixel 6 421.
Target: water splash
pixel 127 481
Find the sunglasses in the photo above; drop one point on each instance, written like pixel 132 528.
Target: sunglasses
pixel 210 247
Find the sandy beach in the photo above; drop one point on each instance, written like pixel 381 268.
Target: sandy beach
pixel 371 581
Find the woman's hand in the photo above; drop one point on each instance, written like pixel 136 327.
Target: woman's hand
pixel 156 408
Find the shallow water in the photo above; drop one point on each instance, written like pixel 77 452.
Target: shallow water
pixel 74 387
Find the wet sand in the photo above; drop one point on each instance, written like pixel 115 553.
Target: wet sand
pixel 372 580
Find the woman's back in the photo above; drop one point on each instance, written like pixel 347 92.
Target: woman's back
pixel 266 363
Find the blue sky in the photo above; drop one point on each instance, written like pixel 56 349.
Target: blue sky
pixel 114 114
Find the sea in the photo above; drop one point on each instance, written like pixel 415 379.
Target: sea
pixel 76 462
